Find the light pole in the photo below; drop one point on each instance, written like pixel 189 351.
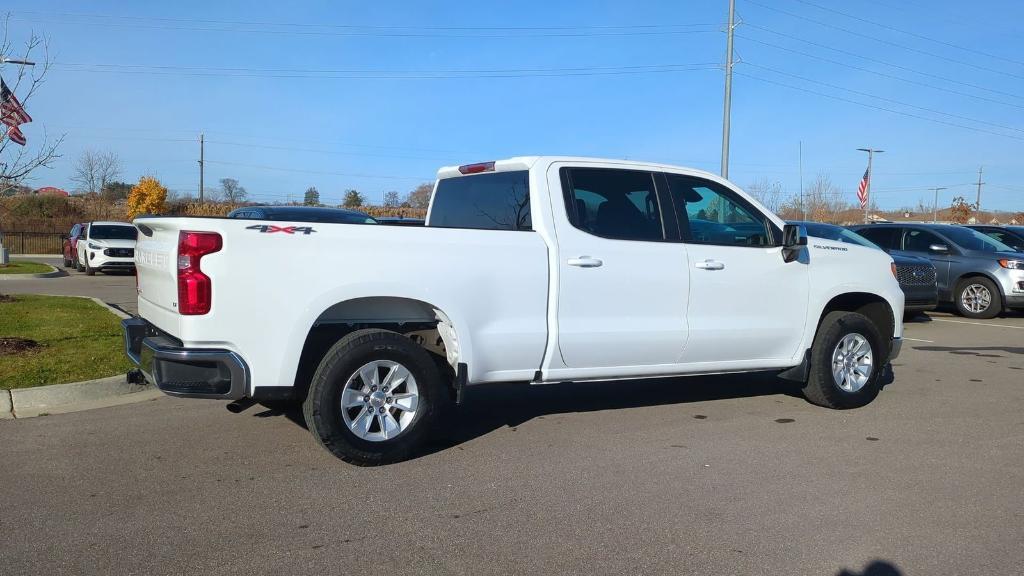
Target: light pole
pixel 935 205
pixel 727 104
pixel 6 60
pixel 867 188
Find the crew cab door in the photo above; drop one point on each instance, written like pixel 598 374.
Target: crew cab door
pixel 622 285
pixel 746 302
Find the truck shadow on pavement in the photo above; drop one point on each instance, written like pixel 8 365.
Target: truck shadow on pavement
pixel 489 407
pixel 875 568
pixel 973 350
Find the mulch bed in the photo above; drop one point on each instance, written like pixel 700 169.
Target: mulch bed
pixel 10 346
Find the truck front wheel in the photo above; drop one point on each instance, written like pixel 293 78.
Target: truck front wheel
pixel 374 398
pixel 846 360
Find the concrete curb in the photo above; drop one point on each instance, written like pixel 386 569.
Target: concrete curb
pixel 5 405
pixel 53 273
pixel 62 398
pixel 76 396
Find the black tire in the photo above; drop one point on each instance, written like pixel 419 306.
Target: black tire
pixel 995 300
pixel 78 265
pixel 322 407
pixel 67 263
pixel 89 270
pixel 821 387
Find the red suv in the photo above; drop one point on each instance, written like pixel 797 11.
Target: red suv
pixel 70 245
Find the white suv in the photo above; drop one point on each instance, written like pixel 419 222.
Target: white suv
pixel 107 246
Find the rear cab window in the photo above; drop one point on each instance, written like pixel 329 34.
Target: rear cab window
pixel 487 201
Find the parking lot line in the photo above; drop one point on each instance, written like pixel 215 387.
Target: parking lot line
pixel 919 340
pixel 978 323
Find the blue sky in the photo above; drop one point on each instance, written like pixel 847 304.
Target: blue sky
pixel 143 79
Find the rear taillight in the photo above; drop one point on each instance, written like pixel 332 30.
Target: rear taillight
pixel 195 290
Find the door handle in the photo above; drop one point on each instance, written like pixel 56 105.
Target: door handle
pixel 710 265
pixel 584 262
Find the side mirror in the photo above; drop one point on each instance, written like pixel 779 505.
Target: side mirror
pixel 794 237
pixel 938 248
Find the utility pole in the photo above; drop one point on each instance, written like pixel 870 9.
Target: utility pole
pixel 803 203
pixel 977 200
pixel 728 89
pixel 200 167
pixel 867 190
pixel 935 205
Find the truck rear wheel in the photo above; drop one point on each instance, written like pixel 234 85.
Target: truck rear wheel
pixel 846 361
pixel 374 398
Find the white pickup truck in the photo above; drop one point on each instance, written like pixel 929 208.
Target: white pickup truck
pixel 532 269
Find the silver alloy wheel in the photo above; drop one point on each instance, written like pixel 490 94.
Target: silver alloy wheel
pixel 852 362
pixel 976 298
pixel 379 400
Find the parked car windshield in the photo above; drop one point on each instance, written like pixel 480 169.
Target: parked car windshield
pixel 969 239
pixel 112 232
pixel 837 233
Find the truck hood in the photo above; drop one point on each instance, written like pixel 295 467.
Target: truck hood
pixel 113 243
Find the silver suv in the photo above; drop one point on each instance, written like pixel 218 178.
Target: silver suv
pixel 975 272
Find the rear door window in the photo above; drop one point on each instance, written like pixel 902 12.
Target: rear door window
pixel 613 203
pixel 488 201
pixel 881 236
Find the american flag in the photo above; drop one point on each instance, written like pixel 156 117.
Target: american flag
pixel 12 114
pixel 862 190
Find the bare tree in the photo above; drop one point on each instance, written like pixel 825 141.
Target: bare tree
pixel 94 170
pixel 232 191
pixel 392 199
pixel 768 193
pixel 823 202
pixel 17 162
pixel 420 197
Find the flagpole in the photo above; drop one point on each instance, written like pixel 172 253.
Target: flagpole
pixel 867 188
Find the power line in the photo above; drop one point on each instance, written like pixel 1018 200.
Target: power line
pixel 909 33
pixel 882 108
pixel 884 99
pixel 884 41
pixel 308 29
pixel 882 62
pixel 347 174
pixel 166 70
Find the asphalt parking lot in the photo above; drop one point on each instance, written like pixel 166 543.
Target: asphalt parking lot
pixel 712 475
pixel 116 289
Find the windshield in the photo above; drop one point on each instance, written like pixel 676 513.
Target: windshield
pixel 969 239
pixel 112 232
pixel 837 233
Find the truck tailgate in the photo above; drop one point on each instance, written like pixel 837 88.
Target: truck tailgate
pixel 155 254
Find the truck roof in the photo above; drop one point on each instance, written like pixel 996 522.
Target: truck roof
pixel 527 162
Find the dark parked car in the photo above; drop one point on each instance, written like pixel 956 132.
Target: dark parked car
pixel 303 214
pixel 1012 236
pixel 69 246
pixel 399 221
pixel 976 273
pixel 916 275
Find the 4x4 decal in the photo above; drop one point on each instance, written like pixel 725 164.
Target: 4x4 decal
pixel 270 229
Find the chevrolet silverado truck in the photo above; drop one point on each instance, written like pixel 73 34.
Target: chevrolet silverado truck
pixel 532 269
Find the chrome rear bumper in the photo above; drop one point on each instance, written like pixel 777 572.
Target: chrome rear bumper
pixel 184 372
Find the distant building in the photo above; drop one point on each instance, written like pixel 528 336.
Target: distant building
pixel 51 191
